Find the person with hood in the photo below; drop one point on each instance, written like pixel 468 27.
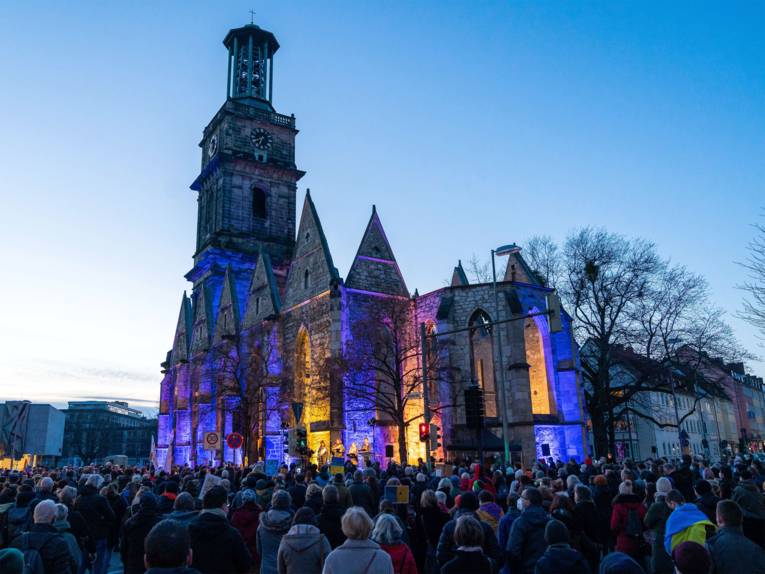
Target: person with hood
pixel 61 524
pixel 168 549
pixel 489 511
pixel 217 547
pixel 656 521
pixel 50 545
pixel 526 543
pixel 183 508
pixel 706 499
pixel 446 543
pixel 18 517
pixel 99 517
pixel 264 491
pixel 387 533
pixel 330 518
pixel 559 556
pixel 274 524
pixel 468 556
pixel 627 522
pixel 686 523
pixel 134 533
pixel 246 520
pixel 619 563
pixel 304 548
pixel 358 554
pixel 730 550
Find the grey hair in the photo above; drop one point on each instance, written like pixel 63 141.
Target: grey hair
pixel 386 530
pixel 45 512
pixel 46 483
pixel 441 496
pixel 446 484
pixel 67 495
pixel 61 512
pixel 572 480
pixel 95 480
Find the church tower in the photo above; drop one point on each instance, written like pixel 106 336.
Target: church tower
pixel 248 178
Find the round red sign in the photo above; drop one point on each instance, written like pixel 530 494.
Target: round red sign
pixel 234 440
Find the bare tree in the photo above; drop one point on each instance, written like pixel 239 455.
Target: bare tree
pixel 544 257
pixel 479 271
pixel 754 304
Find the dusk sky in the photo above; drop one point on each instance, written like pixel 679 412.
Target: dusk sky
pixel 468 124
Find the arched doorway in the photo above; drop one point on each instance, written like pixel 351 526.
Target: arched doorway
pixel 482 359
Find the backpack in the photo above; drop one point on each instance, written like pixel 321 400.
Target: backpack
pixel 634 526
pixel 19 521
pixel 33 561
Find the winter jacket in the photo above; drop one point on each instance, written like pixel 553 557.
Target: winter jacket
pixel 96 511
pixel 166 500
pixel 358 557
pixel 526 543
pixel 468 561
pixel 217 546
pixel 134 533
pixel 734 553
pixel 362 496
pixel 315 503
pixel 682 480
pixel 491 513
pixel 560 558
pixel 273 525
pixel 623 506
pixel 686 523
pixel 64 529
pixel 183 516
pixel 297 493
pixel 246 520
pixel 329 523
pixel 656 521
pixel 346 499
pixel 177 570
pixel 707 503
pixel 619 563
pixel 748 497
pixel 503 532
pixel 447 547
pixel 401 556
pixel 302 550
pixel 53 549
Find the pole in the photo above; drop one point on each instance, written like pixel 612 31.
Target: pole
pixel 425 390
pixel 502 398
pixel 677 413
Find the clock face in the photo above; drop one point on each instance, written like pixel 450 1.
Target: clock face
pixel 261 139
pixel 212 145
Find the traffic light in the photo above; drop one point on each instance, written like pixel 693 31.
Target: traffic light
pixel 289 441
pixel 553 308
pixel 301 441
pixel 424 432
pixel 434 437
pixel 474 407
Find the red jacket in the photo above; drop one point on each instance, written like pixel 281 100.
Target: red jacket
pixel 246 520
pixel 401 556
pixel 619 515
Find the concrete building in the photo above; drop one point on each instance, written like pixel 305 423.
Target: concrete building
pixel 750 398
pixel 30 434
pixel 98 429
pixel 273 337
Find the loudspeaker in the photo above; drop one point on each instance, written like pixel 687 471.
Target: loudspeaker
pixel 545 449
pixel 389 451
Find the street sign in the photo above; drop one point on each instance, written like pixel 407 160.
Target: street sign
pixel 234 440
pixel 212 441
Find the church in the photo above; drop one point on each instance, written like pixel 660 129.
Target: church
pixel 276 348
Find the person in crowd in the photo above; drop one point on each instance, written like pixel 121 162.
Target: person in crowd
pixel 183 508
pixel 362 494
pixel 526 543
pixel 274 524
pixel 514 507
pixel 344 494
pixel 314 498
pixel 430 522
pixel 331 515
pixel 246 519
pixel 45 541
pixel 749 498
pixel 217 547
pixel 100 518
pixel 168 549
pixel 304 548
pixel 358 554
pixel 691 558
pixel 167 498
pixel 559 557
pixel 620 563
pixel 489 511
pixel 731 552
pixel 627 522
pixel 11 560
pixel 387 507
pixel 44 491
pixel 446 543
pixel 18 518
pixel 135 531
pixel 686 523
pixel 298 492
pixel 61 524
pixel 468 553
pixel 706 499
pixel 388 534
pixel 655 522
pixel 586 519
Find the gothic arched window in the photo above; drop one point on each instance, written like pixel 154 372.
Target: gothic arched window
pixel 258 203
pixel 482 359
pixel 306 279
pixel 537 360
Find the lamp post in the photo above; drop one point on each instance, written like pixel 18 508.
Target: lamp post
pixel 501 251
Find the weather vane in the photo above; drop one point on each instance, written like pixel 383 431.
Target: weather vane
pixel 252 16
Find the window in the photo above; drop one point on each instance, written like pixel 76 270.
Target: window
pixel 257 305
pixel 258 203
pixel 306 279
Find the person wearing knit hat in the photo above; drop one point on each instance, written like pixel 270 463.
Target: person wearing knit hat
pixel 656 521
pixel 11 561
pixel 691 558
pixel 559 556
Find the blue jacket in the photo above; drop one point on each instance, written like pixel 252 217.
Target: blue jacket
pixel 734 553
pixel 559 558
pixel 526 543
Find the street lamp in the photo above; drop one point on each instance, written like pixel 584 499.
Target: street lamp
pixel 501 252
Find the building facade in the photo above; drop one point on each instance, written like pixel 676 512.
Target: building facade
pixel 96 430
pixel 30 434
pixel 272 337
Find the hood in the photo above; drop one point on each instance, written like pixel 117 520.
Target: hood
pixel 302 537
pixel 209 524
pixel 62 525
pixel 619 563
pixel 561 558
pixel 681 518
pixel 332 510
pixel 535 516
pixel 276 520
pixel 182 514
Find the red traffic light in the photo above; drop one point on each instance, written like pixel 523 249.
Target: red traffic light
pixel 424 431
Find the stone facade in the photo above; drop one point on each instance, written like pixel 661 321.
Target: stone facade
pixel 273 338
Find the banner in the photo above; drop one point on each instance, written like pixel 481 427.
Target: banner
pixel 210 481
pixel 337 465
pixel 272 467
pixel 397 494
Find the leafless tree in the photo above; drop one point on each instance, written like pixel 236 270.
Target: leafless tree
pixel 754 304
pixel 479 271
pixel 543 255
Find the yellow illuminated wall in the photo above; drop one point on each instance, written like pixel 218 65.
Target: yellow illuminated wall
pixel 535 357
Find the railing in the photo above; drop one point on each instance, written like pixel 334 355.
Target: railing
pixel 273 117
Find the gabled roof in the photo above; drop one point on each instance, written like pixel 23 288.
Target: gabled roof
pixel 458 276
pixel 200 337
pixel 227 319
pixel 263 299
pixel 180 351
pixel 374 268
pixel 518 270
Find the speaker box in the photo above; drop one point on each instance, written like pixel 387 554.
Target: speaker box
pixel 389 451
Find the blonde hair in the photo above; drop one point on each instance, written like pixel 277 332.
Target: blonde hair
pixel 356 523
pixel 312 489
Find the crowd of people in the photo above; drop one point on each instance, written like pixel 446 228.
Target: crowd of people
pixel 651 517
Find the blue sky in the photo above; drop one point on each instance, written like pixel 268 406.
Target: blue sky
pixel 468 124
